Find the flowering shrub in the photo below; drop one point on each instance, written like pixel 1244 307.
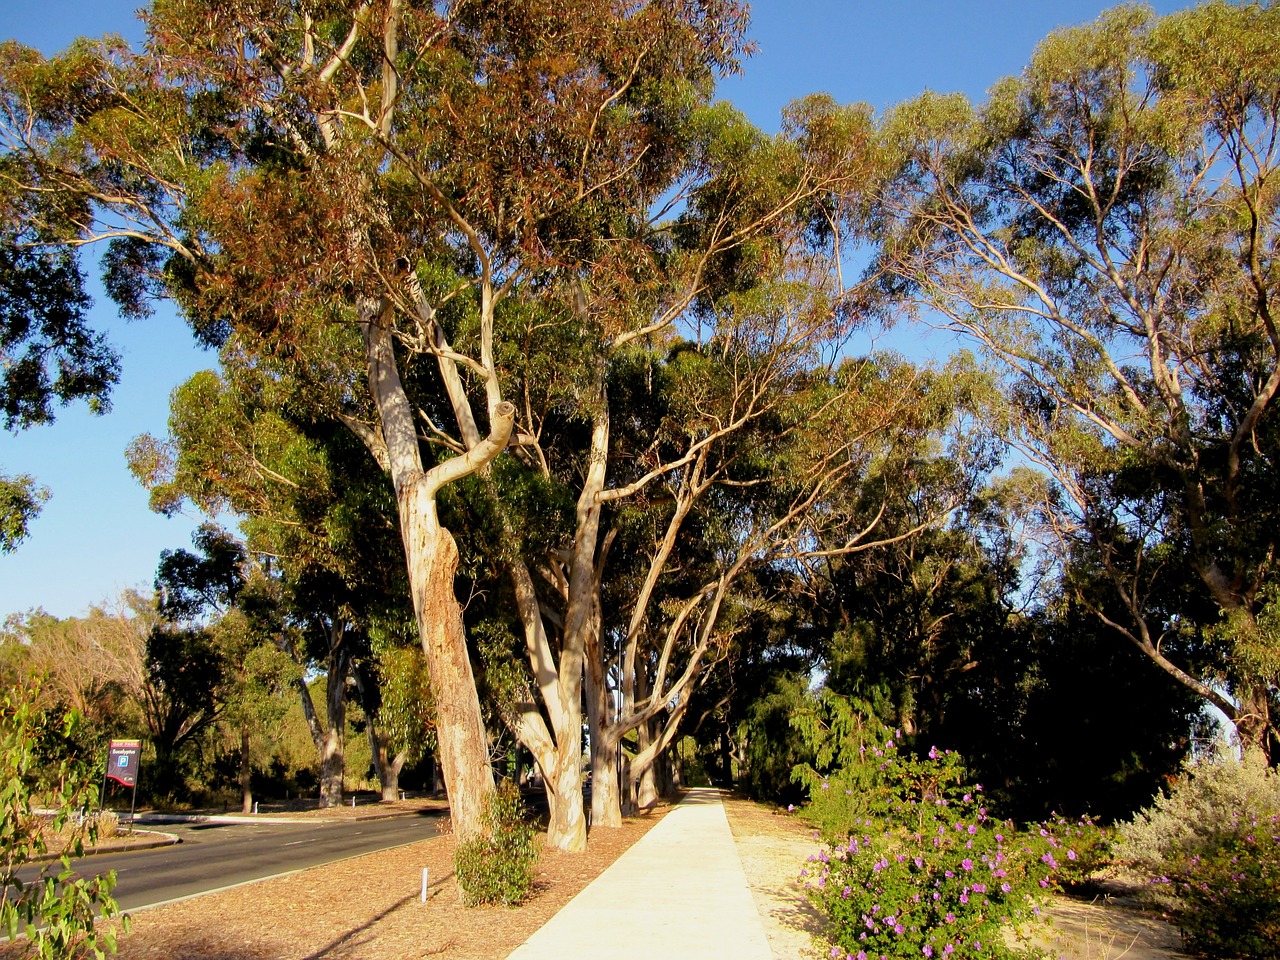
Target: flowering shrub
pixel 931 874
pixel 1087 848
pixel 1229 897
pixel 1212 846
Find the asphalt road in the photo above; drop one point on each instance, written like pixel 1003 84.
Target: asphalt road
pixel 213 856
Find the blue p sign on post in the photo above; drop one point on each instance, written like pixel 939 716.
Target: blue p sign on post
pixel 122 765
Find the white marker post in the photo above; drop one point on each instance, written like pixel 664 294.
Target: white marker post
pixel 423 897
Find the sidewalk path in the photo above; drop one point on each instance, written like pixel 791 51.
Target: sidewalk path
pixel 678 893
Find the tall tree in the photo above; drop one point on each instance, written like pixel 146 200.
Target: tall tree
pixel 1105 226
pixel 315 514
pixel 302 173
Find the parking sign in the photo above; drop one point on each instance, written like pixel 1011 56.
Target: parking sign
pixel 122 761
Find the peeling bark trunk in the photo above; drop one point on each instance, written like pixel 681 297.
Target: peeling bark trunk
pixel 463 746
pixel 432 562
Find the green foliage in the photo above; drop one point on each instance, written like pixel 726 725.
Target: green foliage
pixel 774 746
pixel 406 711
pixel 20 501
pixel 916 866
pixel 57 908
pixel 1082 227
pixel 49 352
pixel 1212 845
pixel 844 781
pixel 497 867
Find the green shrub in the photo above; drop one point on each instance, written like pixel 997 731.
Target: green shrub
pixel 55 908
pixel 914 867
pixel 1212 847
pixel 1229 897
pixel 498 867
pixel 849 780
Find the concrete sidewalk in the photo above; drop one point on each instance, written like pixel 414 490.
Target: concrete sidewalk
pixel 679 892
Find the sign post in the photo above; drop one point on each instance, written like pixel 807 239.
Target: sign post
pixel 122 767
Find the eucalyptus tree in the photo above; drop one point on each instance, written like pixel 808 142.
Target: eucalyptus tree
pixel 301 172
pixel 1105 226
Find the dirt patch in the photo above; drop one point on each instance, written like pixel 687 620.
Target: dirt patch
pixel 773 846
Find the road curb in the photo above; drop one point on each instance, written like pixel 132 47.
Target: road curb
pixel 162 840
pixel 268 819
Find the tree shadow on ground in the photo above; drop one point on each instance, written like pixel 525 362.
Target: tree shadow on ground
pixel 353 939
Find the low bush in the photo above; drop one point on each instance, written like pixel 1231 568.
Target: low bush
pixel 498 867
pixel 924 871
pixel 1212 849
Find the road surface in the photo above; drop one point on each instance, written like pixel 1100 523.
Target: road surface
pixel 213 856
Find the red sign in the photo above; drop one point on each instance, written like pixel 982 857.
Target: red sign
pixel 122 761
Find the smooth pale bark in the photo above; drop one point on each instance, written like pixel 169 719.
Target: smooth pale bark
pixel 555 749
pixel 606 801
pixel 642 768
pixel 246 772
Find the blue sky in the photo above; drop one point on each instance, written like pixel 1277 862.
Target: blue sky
pixel 96 536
